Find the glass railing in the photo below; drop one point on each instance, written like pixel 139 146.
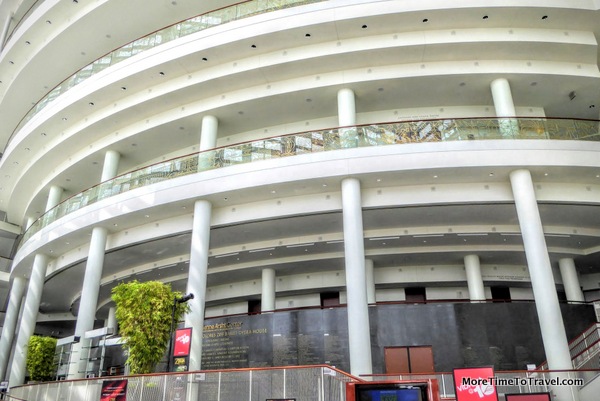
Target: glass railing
pixel 192 25
pixel 323 141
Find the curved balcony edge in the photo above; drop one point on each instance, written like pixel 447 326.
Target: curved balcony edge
pixel 372 135
pixel 161 36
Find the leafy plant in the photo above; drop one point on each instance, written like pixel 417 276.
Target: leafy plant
pixel 40 358
pixel 144 316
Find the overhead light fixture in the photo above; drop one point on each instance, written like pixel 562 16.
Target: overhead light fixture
pixel 299 245
pixel 261 250
pixel 572 95
pixel 227 255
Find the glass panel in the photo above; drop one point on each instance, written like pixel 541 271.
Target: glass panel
pixel 194 24
pixel 325 140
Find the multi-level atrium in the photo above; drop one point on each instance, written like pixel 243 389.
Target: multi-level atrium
pixel 283 154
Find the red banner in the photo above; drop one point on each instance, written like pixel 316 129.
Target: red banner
pixel 528 397
pixel 183 342
pixel 114 390
pixel 475 384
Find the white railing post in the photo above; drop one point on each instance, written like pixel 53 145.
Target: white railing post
pixel 250 385
pixel 219 388
pixel 284 382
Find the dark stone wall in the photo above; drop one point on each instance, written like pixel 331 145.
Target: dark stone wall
pixel 504 335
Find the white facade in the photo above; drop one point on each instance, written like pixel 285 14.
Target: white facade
pixel 517 193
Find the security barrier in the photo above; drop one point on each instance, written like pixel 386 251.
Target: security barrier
pixel 311 383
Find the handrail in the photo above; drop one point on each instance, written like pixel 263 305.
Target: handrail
pixel 164 35
pixel 392 133
pixel 592 333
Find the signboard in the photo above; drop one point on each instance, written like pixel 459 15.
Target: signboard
pixel 475 384
pixel 180 364
pixel 183 342
pixel 114 390
pixel 528 397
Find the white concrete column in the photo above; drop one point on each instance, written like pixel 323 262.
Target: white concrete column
pixel 208 133
pixel 10 322
pixel 86 315
pixel 54 197
pixel 28 318
pixel 370 273
pixel 197 279
pixel 474 279
pixel 110 167
pixel 359 337
pixel 347 118
pixel 570 279
pixel 111 321
pixel 505 107
pixel 502 96
pixel 552 326
pixel 267 300
pixel 208 141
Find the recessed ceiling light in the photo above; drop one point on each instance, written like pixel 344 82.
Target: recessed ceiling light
pixel 364 27
pixel 379 180
pixel 592 106
pixel 27 42
pixel 485 17
pixel 161 73
pixel 43 134
pixel 435 176
pixel 204 59
pixel 425 20
pixel 545 17
pixel 273 192
pixel 123 88
pixel 91 103
pixel 533 83
pixel 253 46
pixel 307 35
pixel 491 174
pixel 48 22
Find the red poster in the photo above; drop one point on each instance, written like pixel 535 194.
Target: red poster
pixel 114 390
pixel 475 384
pixel 528 397
pixel 183 341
